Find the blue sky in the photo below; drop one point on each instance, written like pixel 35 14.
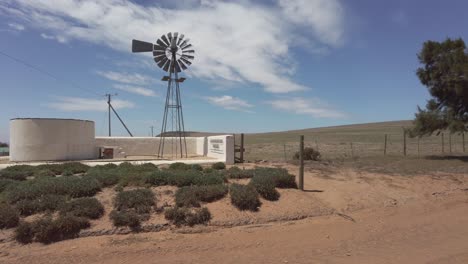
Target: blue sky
pixel 259 65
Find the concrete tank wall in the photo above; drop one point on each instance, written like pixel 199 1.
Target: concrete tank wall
pixel 46 139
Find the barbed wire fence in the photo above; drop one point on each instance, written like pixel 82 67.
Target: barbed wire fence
pixel 391 144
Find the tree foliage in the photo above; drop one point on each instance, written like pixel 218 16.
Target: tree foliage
pixel 445 74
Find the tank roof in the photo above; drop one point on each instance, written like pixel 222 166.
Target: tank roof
pixel 41 118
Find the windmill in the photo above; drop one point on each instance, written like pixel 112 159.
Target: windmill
pixel 172 53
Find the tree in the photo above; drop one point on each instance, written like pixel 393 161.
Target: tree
pixel 445 74
pixel 2 145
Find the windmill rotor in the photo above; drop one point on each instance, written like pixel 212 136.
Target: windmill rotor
pixel 172 52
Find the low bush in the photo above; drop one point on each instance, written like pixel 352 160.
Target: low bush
pixel 24 233
pixel 75 167
pixel 44 173
pixel 158 178
pixel 192 195
pixel 106 176
pixel 308 154
pixel 180 166
pixel 4 183
pixel 126 174
pixel 197 167
pixel 46 230
pixel 208 170
pixel 125 218
pixel 45 203
pixel 141 200
pixel 237 173
pixel 72 186
pixel 67 172
pixel 9 216
pixel 265 186
pixel 83 207
pixel 244 197
pixel 17 172
pixel 279 176
pixel 212 178
pixel 184 216
pixel 218 166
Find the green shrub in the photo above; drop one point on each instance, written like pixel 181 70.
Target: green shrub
pixel 212 178
pixel 17 172
pixel 24 233
pixel 48 202
pixel 280 176
pixel 72 186
pixel 308 154
pixel 179 166
pixel 148 167
pixel 67 172
pixel 46 230
pixel 197 167
pixel 158 178
pixel 244 197
pixel 44 173
pixel 208 170
pixel 184 216
pixel 192 195
pixel 4 183
pixel 74 167
pixel 265 186
pixel 237 173
pixel 218 166
pixel 141 200
pixel 106 176
pixel 126 218
pixel 9 216
pixel 83 207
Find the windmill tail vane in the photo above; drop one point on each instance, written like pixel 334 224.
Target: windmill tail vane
pixel 172 53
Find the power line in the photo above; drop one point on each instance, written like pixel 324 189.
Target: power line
pixel 27 64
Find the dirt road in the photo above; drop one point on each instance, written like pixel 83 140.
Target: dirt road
pixel 376 219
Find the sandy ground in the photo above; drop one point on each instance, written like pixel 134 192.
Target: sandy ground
pixel 348 216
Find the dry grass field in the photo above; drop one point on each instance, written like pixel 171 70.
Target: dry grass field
pixel 361 140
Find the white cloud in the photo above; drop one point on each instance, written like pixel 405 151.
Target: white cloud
pixel 57 38
pixel 229 102
pixel 16 26
pixel 237 41
pixel 130 78
pixel 313 107
pixel 135 89
pixel 86 104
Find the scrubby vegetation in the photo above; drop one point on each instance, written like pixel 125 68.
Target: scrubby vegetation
pixel 43 203
pixel 308 154
pixel 140 200
pixel 237 173
pixel 125 218
pixel 244 197
pixel 185 216
pixel 47 230
pixel 179 166
pixel 192 195
pixel 83 207
pixel 218 166
pixel 9 216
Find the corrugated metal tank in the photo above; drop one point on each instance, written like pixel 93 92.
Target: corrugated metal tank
pixel 50 139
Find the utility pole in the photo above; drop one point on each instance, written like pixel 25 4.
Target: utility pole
pixel 109 110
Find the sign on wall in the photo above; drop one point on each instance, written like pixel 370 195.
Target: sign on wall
pixel 216 146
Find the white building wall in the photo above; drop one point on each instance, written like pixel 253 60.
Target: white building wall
pixel 221 147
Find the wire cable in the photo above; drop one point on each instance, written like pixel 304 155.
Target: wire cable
pixel 27 64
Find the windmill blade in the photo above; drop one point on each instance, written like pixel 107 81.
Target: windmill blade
pixel 177 67
pixel 188 51
pixel 173 44
pixel 158 47
pixel 162 62
pixel 180 39
pixel 175 36
pixel 167 65
pixel 166 41
pixel 185 42
pixel 187 57
pixel 185 61
pixel 161 43
pixel 182 64
pixel 141 46
pixel 187 46
pixel 159 58
pixel 159 53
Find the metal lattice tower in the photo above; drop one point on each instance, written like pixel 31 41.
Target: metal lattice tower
pixel 172 53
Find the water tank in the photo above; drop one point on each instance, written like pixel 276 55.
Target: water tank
pixel 51 139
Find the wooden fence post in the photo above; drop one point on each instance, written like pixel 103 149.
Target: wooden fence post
pixel 385 146
pixel 241 156
pixel 418 146
pixel 443 147
pixel 463 139
pixel 301 160
pixel 450 143
pixel 404 142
